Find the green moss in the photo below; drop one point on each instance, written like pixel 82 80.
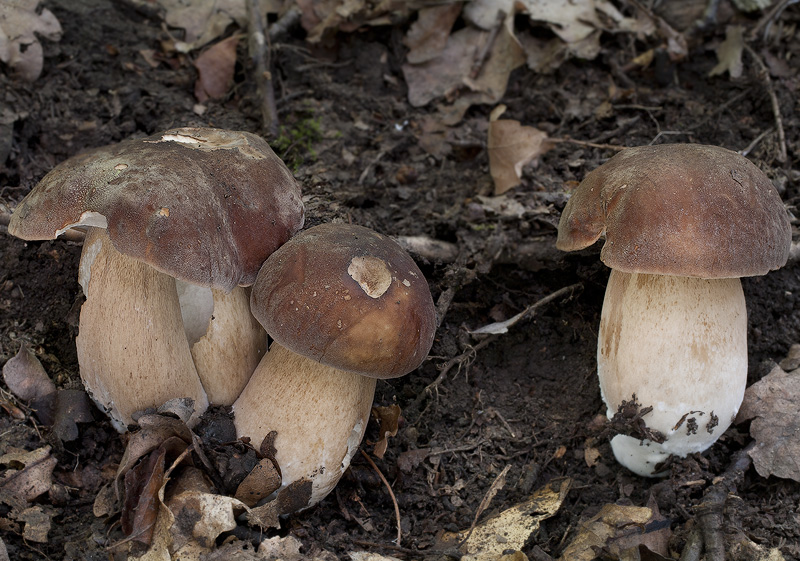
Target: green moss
pixel 295 143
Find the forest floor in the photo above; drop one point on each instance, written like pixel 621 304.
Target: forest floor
pixel 526 400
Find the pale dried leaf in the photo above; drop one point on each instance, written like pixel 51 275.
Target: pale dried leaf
pixel 25 376
pixel 367 556
pixel 729 53
pixel 19 27
pixel 29 474
pixel 38 521
pixel 427 37
pixel 772 403
pixel 616 529
pixel 512 146
pixel 201 517
pixel 512 528
pixel 283 548
pixel 571 21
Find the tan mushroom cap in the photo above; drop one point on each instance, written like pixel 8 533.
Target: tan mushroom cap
pixel 679 209
pixel 206 206
pixel 349 298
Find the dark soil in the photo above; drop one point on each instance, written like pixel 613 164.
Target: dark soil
pixel 528 398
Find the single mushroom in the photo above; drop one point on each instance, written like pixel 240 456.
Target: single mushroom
pixel 345 306
pixel 682 223
pixel 178 224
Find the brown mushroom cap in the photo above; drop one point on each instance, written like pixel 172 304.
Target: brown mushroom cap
pixel 679 209
pixel 203 205
pixel 349 298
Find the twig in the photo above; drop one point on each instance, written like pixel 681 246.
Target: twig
pixel 755 142
pixel 710 512
pixel 284 23
pixel 391 494
pixel 498 483
pixel 694 546
pixel 766 21
pixel 776 108
pixel 369 167
pixel 260 53
pixel 483 54
pixel 469 354
pixel 586 143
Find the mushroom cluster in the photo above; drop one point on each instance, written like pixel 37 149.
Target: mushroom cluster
pixel 345 306
pixel 681 223
pixel 178 224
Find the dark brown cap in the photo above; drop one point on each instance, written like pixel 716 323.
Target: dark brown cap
pixel 679 209
pixel 349 298
pixel 207 206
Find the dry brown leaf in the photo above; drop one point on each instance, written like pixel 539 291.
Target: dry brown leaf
pixel 729 53
pixel 263 480
pixel 140 510
pixel 449 75
pixel 772 403
pixel 25 376
pixel 215 68
pixel 616 529
pixel 20 25
pixel 389 419
pixel 62 410
pixel 427 37
pixel 29 474
pixel 512 146
pixel 38 520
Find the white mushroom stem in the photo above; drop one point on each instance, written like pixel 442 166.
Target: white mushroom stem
pixel 320 415
pixel 132 350
pixel 226 341
pixel 679 345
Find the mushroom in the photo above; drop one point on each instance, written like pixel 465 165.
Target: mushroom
pixel 345 306
pixel 682 223
pixel 177 224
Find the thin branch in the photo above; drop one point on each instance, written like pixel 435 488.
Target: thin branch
pixel 260 53
pixel 776 108
pixel 391 494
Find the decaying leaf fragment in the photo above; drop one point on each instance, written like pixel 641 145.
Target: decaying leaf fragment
pixel 512 146
pixel 512 528
pixel 25 376
pixel 729 53
pixel 215 68
pixel 451 74
pixel 772 403
pixel 19 26
pixel 28 474
pixel 389 418
pixel 617 529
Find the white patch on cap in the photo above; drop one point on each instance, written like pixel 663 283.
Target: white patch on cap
pixel 88 218
pixel 182 138
pixel 371 274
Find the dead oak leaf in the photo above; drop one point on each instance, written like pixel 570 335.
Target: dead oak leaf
pixel 215 68
pixel 512 146
pixel 29 474
pixel 25 376
pixel 427 37
pixel 450 75
pixel 772 403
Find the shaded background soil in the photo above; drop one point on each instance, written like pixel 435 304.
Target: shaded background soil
pixel 529 398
